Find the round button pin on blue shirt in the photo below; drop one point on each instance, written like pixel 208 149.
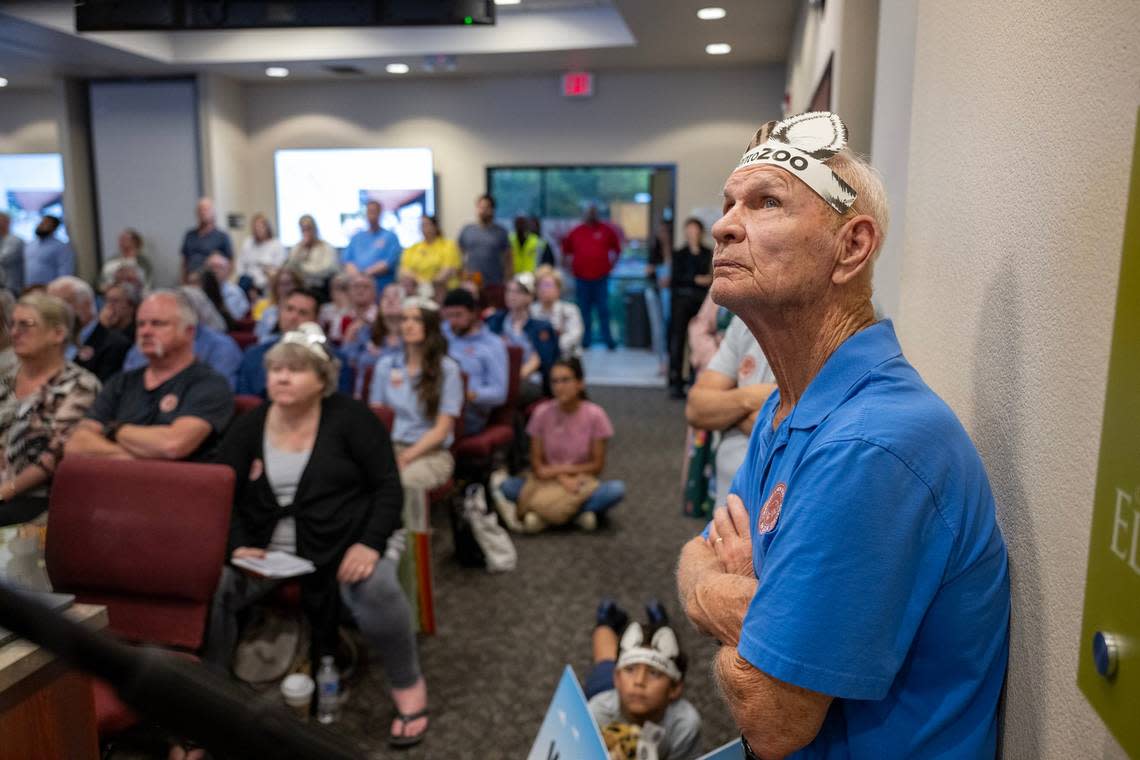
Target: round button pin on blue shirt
pixel 1105 653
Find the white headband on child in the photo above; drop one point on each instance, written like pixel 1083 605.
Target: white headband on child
pixel 800 144
pixel 661 654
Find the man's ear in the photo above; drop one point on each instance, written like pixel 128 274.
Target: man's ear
pixel 857 242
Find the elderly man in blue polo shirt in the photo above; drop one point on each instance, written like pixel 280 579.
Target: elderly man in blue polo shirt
pixel 857 579
pixel 481 354
pixel 373 251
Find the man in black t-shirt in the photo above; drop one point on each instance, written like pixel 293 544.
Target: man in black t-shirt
pixel 174 408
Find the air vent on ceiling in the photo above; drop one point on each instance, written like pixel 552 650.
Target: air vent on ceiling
pixel 345 71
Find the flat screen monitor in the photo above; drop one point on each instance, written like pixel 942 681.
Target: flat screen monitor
pixel 333 185
pixel 31 187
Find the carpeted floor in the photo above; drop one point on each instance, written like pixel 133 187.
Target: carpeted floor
pixel 503 640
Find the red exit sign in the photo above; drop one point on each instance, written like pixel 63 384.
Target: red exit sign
pixel 578 84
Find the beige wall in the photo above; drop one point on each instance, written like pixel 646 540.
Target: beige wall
pixel 224 146
pixel 846 32
pixel 699 120
pixel 29 121
pixel 890 140
pixel 1020 147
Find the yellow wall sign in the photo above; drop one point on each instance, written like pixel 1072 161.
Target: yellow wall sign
pixel 1109 673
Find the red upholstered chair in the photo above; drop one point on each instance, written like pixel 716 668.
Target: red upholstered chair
pixel 365 387
pixel 244 338
pixel 148 540
pixel 385 414
pixel 479 448
pixel 244 402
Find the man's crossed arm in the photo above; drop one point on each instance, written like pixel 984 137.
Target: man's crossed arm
pixel 716 583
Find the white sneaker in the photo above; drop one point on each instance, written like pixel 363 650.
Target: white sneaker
pixel 506 508
pixel 586 521
pixel 532 523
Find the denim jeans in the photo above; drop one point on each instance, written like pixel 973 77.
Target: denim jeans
pixel 594 295
pixel 605 496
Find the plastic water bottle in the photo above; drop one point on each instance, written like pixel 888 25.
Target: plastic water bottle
pixel 328 690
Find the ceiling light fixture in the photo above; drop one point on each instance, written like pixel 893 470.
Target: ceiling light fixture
pixel 711 14
pixel 718 48
pixel 3 82
pixel 507 2
pixel 397 68
pixel 277 72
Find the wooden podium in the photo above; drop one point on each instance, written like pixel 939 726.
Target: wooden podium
pixel 47 711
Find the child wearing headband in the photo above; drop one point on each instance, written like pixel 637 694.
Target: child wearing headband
pixel 636 685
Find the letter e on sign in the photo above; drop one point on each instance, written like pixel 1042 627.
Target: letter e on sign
pixel 578 84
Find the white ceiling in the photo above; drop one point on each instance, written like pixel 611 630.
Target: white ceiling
pixel 38 42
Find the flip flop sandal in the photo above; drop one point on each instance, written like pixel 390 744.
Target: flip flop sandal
pixel 403 741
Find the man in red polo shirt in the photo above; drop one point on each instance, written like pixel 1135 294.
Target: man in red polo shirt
pixel 592 249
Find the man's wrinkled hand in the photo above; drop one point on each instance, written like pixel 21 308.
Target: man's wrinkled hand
pixel 731 538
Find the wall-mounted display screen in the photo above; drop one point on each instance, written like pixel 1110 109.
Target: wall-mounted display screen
pixel 334 185
pixel 31 187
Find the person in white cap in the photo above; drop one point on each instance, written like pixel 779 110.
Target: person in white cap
pixel 857 580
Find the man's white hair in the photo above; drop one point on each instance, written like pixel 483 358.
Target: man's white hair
pixel 78 287
pixel 871 193
pixel 187 314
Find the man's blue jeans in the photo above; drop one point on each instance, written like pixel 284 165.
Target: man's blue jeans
pixel 594 295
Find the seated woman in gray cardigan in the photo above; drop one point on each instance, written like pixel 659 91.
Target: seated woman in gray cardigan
pixel 316 477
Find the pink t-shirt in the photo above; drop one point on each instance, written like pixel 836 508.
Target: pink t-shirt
pixel 567 438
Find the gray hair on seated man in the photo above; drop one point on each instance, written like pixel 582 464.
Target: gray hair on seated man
pixel 76 287
pixel 187 312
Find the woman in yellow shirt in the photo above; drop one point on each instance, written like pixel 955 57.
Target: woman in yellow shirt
pixel 434 261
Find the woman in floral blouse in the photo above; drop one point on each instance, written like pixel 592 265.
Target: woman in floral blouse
pixel 41 400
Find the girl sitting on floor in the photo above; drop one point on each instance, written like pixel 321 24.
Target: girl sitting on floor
pixel 568 436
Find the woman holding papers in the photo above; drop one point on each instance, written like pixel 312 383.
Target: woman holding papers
pixel 316 478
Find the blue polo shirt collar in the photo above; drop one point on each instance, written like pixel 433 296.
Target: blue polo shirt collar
pixel 854 358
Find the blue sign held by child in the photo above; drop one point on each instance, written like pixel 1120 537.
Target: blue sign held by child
pixel 568 731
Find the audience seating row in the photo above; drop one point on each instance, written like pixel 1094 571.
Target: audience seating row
pixel 147 538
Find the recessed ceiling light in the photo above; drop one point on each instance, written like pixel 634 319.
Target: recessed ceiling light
pixel 277 72
pixel 718 48
pixel 711 14
pixel 3 82
pixel 397 68
pixel 507 2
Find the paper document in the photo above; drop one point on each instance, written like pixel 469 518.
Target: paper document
pixel 276 565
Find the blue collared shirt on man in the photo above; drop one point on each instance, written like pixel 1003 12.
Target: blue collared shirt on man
pixel 196 248
pixel 482 355
pixel 210 347
pixel 883 575
pixel 72 349
pixel 367 248
pixel 47 258
pixel 235 299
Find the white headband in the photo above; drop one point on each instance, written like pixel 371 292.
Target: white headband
pixel 419 302
pixel 311 336
pixel 800 144
pixel 661 654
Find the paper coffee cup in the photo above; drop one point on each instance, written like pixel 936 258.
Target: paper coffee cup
pixel 297 690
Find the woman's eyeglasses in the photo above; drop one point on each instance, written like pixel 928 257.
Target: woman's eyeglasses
pixel 23 324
